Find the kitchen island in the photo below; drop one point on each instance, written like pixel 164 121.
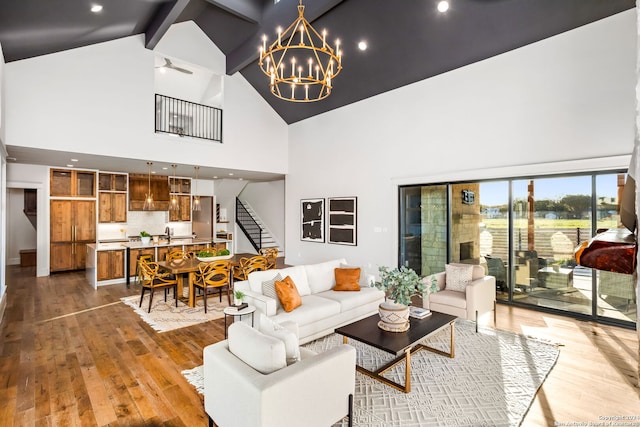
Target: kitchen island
pixel 113 262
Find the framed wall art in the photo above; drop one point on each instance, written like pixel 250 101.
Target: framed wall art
pixel 312 220
pixel 343 221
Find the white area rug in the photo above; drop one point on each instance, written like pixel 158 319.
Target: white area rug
pixel 491 381
pixel 165 316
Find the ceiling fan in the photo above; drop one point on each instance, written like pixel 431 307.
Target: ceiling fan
pixel 169 64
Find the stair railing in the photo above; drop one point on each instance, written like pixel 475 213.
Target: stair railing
pixel 248 225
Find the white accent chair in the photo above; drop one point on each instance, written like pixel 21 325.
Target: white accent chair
pixel 479 296
pixel 315 391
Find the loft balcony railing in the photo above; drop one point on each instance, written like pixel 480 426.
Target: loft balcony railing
pixel 185 118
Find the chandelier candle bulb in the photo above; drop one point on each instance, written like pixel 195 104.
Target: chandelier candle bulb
pixel 301 35
pixel 279 35
pixel 293 67
pixel 293 91
pixel 306 91
pixel 324 39
pixel 317 72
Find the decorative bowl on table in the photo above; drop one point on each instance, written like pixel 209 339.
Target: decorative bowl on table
pixel 205 258
pixel 177 262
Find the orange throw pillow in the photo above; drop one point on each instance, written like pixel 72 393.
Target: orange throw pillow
pixel 347 279
pixel 288 294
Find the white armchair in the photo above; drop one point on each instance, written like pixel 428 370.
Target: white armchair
pixel 315 391
pixel 478 298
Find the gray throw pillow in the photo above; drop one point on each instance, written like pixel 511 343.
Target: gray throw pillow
pixel 457 277
pixel 269 290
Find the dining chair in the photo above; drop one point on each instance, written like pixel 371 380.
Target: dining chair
pixel 152 280
pixel 271 254
pixel 176 254
pixel 213 275
pixel 143 257
pixel 247 265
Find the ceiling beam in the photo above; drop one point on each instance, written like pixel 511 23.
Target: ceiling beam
pixel 162 20
pixel 249 10
pixel 282 14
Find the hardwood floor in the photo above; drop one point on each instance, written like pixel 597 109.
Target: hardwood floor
pixel 71 355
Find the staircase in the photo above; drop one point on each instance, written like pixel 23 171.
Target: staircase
pixel 254 228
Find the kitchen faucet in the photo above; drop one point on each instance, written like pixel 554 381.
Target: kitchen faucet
pixel 167 231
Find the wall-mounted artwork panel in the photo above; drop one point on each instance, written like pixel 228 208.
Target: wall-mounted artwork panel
pixel 343 220
pixel 312 220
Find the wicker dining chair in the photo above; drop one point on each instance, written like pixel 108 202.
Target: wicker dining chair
pixel 213 275
pixel 152 280
pixel 176 254
pixel 142 257
pixel 271 254
pixel 247 265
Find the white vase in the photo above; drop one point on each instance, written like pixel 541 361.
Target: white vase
pixel 145 240
pixel 237 301
pixel 394 317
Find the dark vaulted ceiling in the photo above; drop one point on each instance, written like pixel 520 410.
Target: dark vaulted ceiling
pixel 408 40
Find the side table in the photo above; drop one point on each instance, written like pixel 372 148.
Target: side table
pixel 228 311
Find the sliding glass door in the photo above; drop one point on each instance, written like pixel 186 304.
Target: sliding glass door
pixel 524 233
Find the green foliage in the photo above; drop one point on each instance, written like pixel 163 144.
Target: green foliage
pixel 206 254
pixel 144 234
pixel 238 294
pixel 222 252
pixel 400 284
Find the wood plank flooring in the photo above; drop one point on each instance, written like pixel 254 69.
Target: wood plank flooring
pixel 71 355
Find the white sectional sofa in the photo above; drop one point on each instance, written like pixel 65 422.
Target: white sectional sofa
pixel 322 309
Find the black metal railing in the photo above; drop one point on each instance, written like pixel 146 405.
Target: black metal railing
pixel 184 118
pixel 248 225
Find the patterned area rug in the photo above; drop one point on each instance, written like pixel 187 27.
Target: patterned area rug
pixel 491 381
pixel 165 316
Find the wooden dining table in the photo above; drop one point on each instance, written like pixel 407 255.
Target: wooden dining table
pixel 187 267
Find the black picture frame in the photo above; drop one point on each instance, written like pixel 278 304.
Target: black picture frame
pixel 312 220
pixel 342 222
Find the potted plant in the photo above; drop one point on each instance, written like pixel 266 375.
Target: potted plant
pixel 399 285
pixel 145 237
pixel 238 296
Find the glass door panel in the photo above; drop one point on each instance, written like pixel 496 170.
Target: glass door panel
pixel 423 228
pixel 616 293
pixel 551 217
pixel 494 233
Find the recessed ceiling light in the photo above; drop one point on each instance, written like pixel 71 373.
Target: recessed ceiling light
pixel 165 168
pixel 230 173
pixel 74 160
pixel 69 166
pixel 239 179
pixel 96 8
pixel 443 6
pixel 153 172
pixel 215 177
pixel 362 45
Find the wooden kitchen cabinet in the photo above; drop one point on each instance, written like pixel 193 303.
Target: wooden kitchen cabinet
pixel 139 187
pixel 110 264
pixel 112 207
pixel 184 211
pixel 72 226
pixel 72 183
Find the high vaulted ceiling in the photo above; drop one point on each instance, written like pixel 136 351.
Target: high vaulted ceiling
pixel 408 40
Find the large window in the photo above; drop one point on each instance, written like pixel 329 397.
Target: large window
pixel 524 232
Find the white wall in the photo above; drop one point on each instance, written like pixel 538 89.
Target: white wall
pixel 3 189
pixel 564 98
pixel 21 234
pixel 99 100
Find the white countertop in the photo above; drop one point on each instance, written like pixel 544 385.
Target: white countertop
pixel 109 246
